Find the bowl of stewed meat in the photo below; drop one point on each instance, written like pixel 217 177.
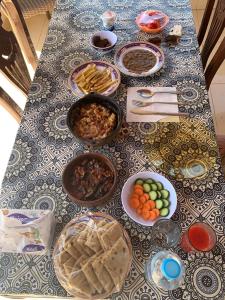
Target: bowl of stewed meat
pixel 89 179
pixel 94 119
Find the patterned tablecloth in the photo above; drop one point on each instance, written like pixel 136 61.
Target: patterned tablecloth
pixel 44 145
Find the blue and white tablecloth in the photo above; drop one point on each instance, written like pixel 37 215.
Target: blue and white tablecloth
pixel 44 145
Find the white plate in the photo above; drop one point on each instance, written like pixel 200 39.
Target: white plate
pixel 118 58
pixel 101 65
pixel 128 187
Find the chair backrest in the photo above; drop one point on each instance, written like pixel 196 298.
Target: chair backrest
pixel 31 8
pixel 12 64
pixel 205 20
pixel 10 105
pixel 215 29
pixel 215 63
pixel 12 12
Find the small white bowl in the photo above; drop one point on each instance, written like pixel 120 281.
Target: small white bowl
pixel 104 34
pixel 128 187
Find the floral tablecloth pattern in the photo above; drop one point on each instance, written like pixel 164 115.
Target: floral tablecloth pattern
pixel 44 145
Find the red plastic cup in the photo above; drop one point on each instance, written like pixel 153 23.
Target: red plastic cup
pixel 199 237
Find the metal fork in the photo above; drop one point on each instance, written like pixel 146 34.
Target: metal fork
pixel 140 103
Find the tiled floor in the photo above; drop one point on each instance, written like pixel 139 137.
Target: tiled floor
pixel 38 27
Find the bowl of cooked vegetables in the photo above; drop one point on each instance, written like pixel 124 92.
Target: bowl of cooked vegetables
pixel 89 179
pixel 94 76
pixel 94 119
pixel 147 197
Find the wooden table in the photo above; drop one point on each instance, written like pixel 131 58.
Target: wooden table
pixel 44 145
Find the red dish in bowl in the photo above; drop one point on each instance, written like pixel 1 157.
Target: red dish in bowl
pixel 152 21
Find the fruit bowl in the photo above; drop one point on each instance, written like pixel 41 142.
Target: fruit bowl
pixel 152 21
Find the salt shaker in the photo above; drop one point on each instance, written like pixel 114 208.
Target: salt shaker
pixel 108 19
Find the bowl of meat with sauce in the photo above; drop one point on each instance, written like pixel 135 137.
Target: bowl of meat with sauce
pixel 139 59
pixel 89 179
pixel 94 119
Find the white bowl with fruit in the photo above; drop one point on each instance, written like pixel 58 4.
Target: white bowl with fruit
pixel 147 197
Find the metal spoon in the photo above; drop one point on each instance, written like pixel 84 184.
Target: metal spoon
pixel 146 93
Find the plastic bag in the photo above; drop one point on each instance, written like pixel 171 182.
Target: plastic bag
pixel 26 231
pixel 92 256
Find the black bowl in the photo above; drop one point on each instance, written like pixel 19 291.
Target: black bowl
pixel 104 101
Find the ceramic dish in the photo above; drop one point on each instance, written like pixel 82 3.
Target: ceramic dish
pixel 69 183
pixel 104 34
pixel 156 51
pixel 100 65
pixel 97 99
pixel 127 189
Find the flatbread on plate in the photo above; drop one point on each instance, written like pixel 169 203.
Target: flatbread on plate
pixel 63 256
pixel 72 250
pixel 109 236
pixel 68 265
pixel 102 274
pixel 82 239
pixel 91 276
pixel 79 282
pixel 116 261
pixel 81 247
pixel 93 241
pixel 101 223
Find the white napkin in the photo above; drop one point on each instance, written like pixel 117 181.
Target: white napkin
pixel 132 94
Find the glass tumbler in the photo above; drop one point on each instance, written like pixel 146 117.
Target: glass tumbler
pixel 166 233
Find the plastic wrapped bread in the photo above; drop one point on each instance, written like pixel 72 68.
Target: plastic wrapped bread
pixel 92 256
pixel 26 231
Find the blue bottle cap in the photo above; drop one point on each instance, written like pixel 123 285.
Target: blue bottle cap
pixel 170 268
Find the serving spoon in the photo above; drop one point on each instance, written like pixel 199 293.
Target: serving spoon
pixel 147 93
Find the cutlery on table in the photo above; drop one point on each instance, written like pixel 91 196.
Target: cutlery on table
pixel 147 93
pixel 138 111
pixel 141 103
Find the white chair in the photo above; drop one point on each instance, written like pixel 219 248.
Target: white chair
pixel 32 8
